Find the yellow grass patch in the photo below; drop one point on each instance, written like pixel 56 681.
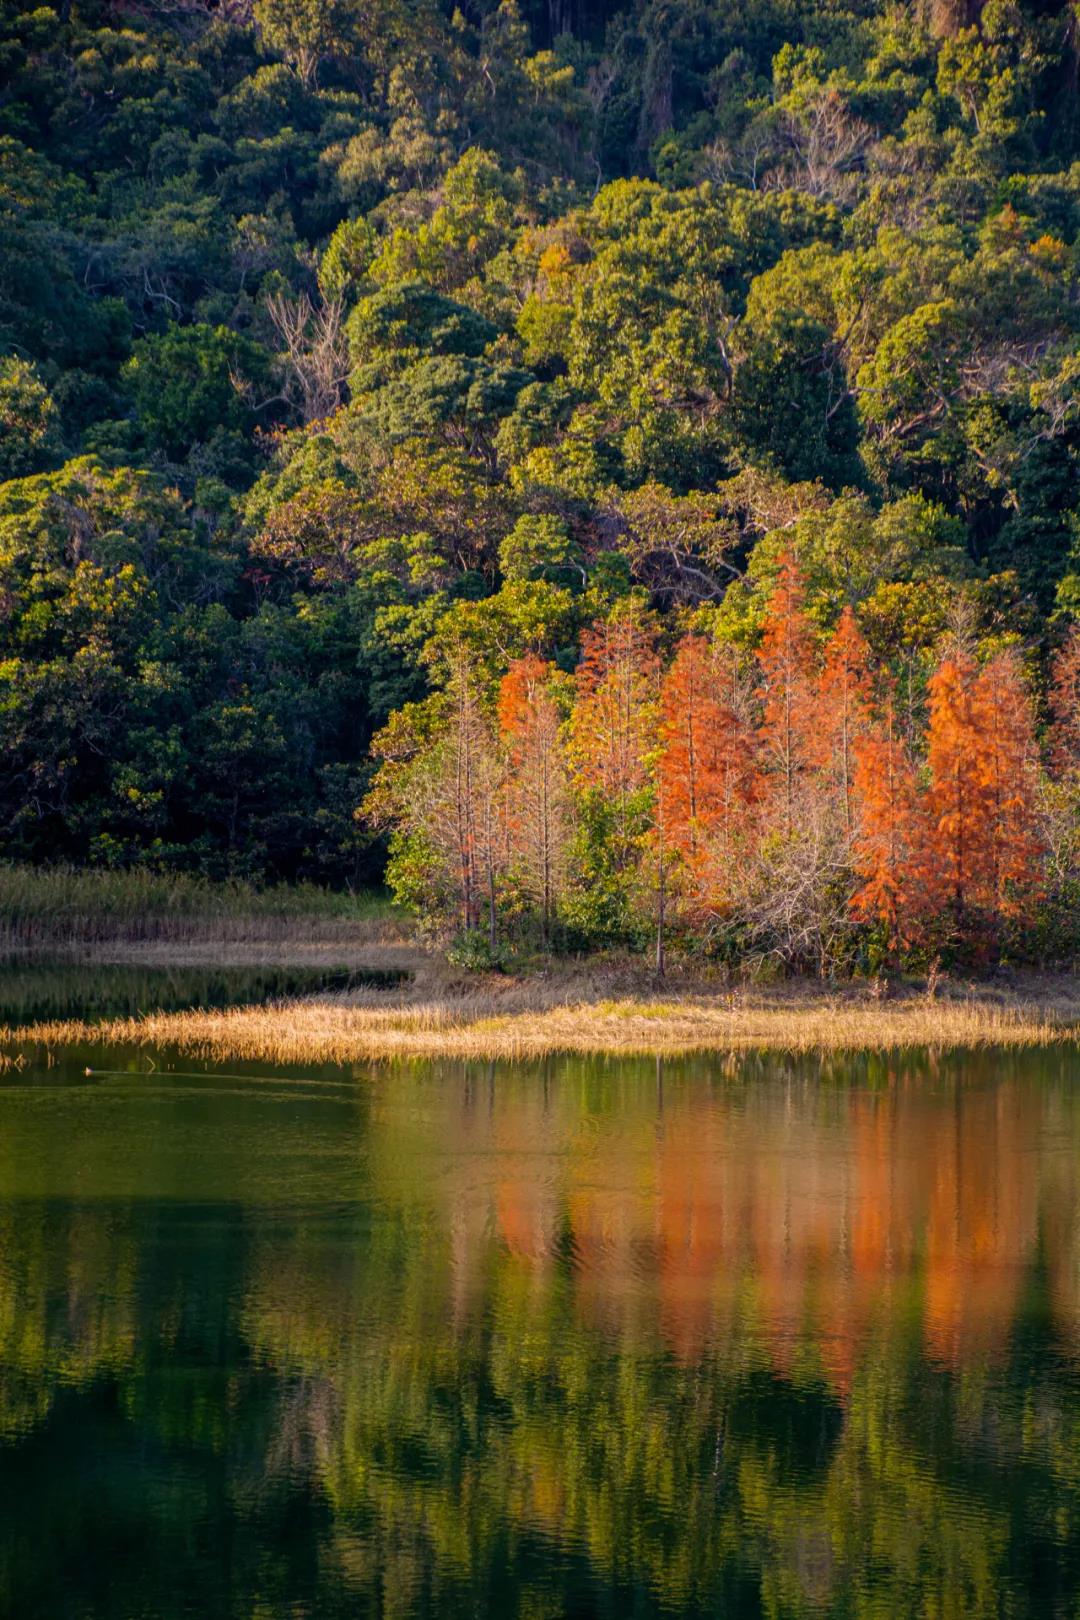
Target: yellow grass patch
pixel 534 1021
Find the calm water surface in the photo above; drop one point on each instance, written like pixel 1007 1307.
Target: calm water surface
pixel 591 1338
pixel 35 989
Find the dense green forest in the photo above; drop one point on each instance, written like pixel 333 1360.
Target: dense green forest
pixel 343 342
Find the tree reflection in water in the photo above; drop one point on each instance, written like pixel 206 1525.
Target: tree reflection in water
pixel 754 1337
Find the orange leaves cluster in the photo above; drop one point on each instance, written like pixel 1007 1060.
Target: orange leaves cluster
pixel 613 726
pixel 779 795
pixel 890 843
pixel 705 773
pixel 824 770
pixel 962 848
pixel 982 759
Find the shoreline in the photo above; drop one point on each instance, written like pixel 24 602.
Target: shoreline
pixel 528 1019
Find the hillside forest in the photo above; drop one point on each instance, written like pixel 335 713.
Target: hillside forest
pixel 610 469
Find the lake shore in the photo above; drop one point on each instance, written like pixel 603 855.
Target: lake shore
pixel 567 1013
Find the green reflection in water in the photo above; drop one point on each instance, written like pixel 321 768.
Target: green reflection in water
pixel 594 1337
pixel 36 989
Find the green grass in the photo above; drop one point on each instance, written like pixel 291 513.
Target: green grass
pixel 53 905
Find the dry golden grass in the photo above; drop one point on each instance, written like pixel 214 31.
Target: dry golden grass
pixel 534 1019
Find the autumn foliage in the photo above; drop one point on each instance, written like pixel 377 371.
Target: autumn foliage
pixel 536 784
pixel 787 692
pixel 705 771
pixel 774 803
pixel 613 722
pixel 891 849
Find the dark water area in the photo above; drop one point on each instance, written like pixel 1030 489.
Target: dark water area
pixel 754 1337
pixel 36 989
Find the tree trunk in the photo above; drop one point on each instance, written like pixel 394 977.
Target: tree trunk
pixel 492 935
pixel 660 917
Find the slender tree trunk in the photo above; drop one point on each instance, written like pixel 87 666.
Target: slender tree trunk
pixel 846 761
pixel 959 855
pixel 493 938
pixel 661 876
pixel 545 853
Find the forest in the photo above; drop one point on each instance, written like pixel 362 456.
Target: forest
pixel 607 469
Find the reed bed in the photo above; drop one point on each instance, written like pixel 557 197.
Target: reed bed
pixel 57 907
pixel 363 1027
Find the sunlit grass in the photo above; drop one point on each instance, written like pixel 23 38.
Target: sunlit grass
pixel 532 1021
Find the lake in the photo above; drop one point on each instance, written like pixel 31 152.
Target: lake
pixel 588 1338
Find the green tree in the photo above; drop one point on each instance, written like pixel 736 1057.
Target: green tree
pixel 304 32
pixel 193 382
pixel 29 425
pixel 792 407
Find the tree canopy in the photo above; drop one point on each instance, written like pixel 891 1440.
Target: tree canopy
pixel 355 361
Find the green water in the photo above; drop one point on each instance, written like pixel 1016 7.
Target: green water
pixel 33 989
pixel 583 1339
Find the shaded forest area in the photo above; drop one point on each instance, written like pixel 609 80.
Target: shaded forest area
pixel 370 371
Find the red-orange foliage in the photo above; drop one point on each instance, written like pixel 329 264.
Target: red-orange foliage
pixel 613 724
pixel 786 808
pixel 705 760
pixel 958 846
pixel 890 833
pixel 1009 763
pixel 786 662
pixel 523 698
pixel 705 769
pixel 842 711
pixel 983 850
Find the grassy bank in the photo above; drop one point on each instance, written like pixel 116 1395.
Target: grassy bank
pixel 57 907
pixel 534 1019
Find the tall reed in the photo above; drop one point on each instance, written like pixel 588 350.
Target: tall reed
pixel 59 905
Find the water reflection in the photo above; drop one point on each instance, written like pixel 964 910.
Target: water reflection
pixel 36 988
pixel 765 1338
